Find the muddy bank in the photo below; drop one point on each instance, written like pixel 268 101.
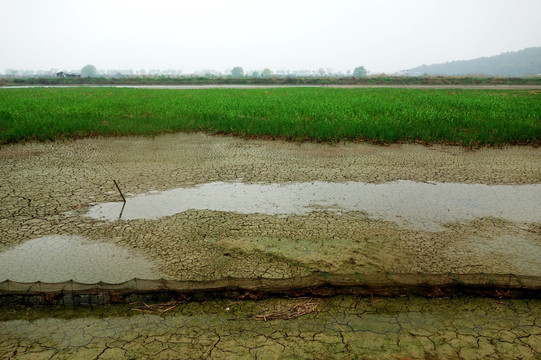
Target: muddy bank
pixel 48 188
pixel 339 327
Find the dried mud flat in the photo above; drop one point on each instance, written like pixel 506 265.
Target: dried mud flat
pixel 335 328
pixel 47 189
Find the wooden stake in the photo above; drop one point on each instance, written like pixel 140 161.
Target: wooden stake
pixel 122 210
pixel 123 198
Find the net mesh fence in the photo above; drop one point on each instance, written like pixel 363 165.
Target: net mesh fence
pixel 314 284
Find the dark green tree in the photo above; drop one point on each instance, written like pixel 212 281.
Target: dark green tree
pixel 266 72
pixel 360 71
pixel 237 71
pixel 89 71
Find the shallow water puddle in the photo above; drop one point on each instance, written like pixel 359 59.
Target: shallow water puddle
pixel 62 258
pixel 410 204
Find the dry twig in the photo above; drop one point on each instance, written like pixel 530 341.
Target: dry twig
pixel 290 312
pixel 158 308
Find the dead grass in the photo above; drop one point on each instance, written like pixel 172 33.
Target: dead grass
pixel 287 312
pixel 158 309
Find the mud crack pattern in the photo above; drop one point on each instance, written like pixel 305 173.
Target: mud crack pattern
pixel 339 328
pixel 46 188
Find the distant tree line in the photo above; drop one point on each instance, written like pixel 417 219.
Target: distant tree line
pixel 236 72
pixel 275 80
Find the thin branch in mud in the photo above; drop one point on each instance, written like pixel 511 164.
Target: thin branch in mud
pixel 290 312
pixel 158 308
pixel 143 311
pixel 171 307
pixel 118 188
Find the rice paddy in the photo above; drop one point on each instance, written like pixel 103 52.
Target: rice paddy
pixel 454 116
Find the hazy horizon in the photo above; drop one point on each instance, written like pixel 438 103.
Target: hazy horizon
pixel 383 36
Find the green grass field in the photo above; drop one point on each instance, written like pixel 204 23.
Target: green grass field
pixel 465 117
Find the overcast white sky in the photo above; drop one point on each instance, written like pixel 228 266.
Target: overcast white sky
pixel 382 35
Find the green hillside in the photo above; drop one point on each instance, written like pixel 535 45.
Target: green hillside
pixel 525 62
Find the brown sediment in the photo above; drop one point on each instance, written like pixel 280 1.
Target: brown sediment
pixel 48 187
pixel 340 327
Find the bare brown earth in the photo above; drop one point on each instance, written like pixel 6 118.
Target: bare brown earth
pixel 334 328
pixel 46 188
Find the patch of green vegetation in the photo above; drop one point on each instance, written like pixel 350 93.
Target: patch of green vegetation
pixel 464 117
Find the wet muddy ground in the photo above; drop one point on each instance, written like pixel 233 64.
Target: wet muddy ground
pixel 333 328
pixel 49 190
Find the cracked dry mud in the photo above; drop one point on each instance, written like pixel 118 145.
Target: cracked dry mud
pixel 47 188
pixel 338 328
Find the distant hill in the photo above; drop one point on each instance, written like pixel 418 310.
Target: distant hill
pixel 525 62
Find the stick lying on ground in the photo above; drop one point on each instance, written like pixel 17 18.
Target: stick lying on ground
pixel 123 198
pixel 293 312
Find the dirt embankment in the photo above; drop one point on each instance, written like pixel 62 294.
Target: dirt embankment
pixel 46 188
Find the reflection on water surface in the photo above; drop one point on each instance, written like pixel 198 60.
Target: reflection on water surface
pixel 62 258
pixel 410 204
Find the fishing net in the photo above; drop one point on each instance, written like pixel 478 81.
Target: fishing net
pixel 316 284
